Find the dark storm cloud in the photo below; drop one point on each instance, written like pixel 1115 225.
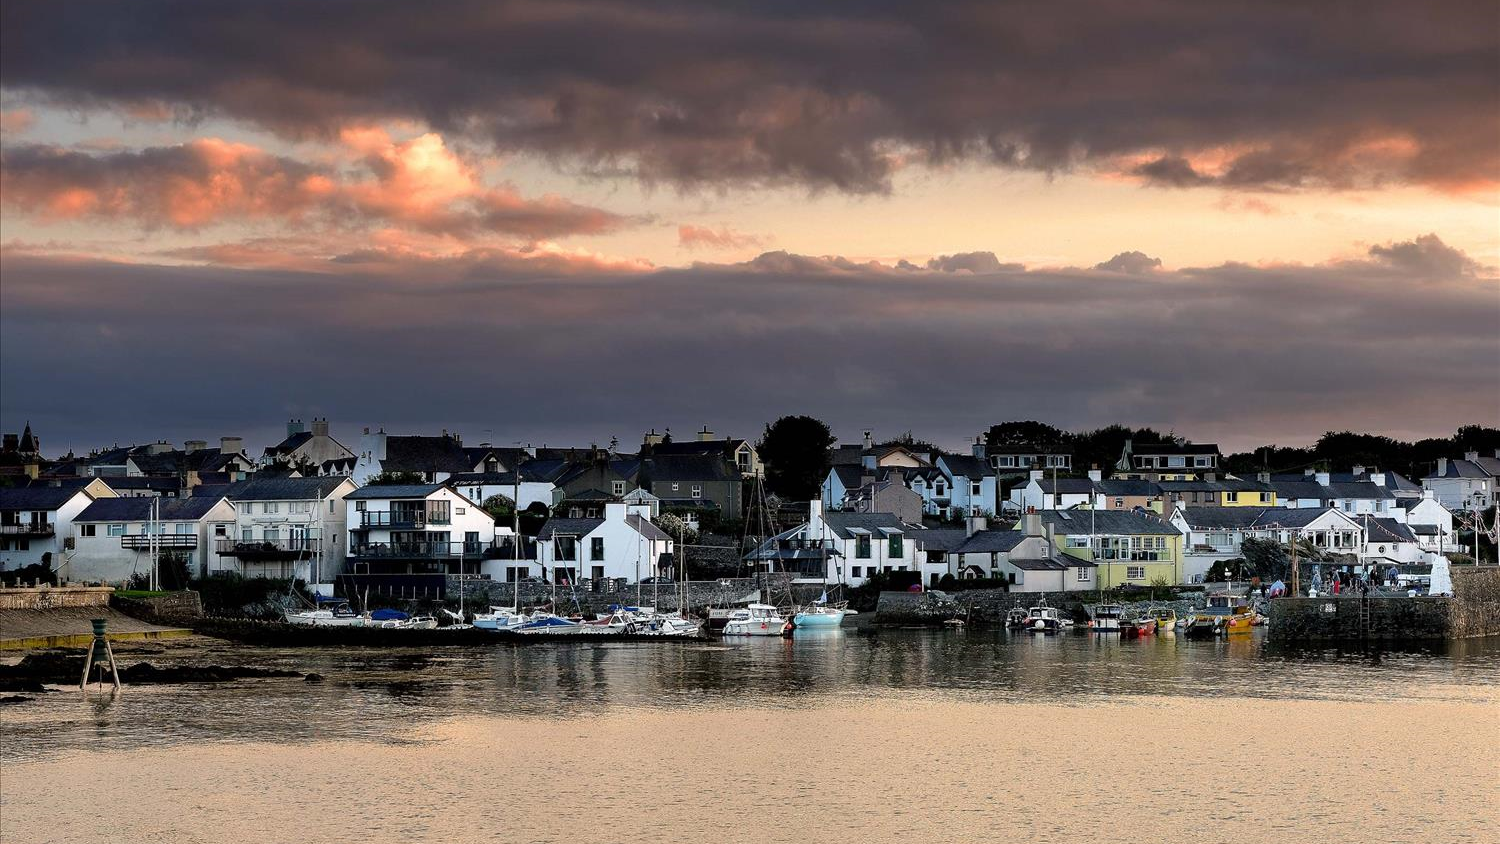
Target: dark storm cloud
pixel 1294 95
pixel 974 262
pixel 419 344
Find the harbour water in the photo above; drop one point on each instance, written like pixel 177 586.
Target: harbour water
pixel 974 735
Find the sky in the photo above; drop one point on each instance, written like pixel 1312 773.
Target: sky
pixel 566 222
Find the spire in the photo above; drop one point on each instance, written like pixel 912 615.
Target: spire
pixel 28 442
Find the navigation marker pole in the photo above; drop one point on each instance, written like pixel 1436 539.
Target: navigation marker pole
pixel 100 656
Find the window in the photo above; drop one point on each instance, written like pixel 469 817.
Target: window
pixel 855 571
pixel 359 506
pixel 1005 461
pixel 1135 572
pixel 272 535
pixel 565 547
pixel 617 487
pixel 115 530
pixel 896 546
pixel 270 507
pixel 247 535
pixel 1203 462
pixel 1119 503
pixel 1085 574
pixel 300 507
pixel 184 528
pixel 596 548
pixel 697 491
pixel 87 530
pixel 974 490
pixel 221 530
pixel 862 546
pixel 676 487
pixel 244 507
pixel 459 511
pixel 1265 498
pixel 1077 542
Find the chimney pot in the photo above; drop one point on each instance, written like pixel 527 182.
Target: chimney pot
pixel 320 427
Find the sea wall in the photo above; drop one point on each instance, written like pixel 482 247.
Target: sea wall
pixel 1476 602
pixel 171 608
pixel 990 606
pixel 1386 619
pixel 50 597
pixel 690 596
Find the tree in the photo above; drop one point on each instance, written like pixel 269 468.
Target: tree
pixel 794 450
pixel 1009 436
pixel 909 442
pixel 500 507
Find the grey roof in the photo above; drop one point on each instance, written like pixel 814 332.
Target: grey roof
pixel 690 467
pixel 1068 486
pixel 840 523
pixel 967 465
pixel 283 489
pixel 1243 518
pixel 1461 469
pixel 394 491
pixel 568 527
pixel 991 542
pixel 939 539
pixel 187 509
pixel 1174 448
pixel 1387 530
pixel 1310 488
pixel 646 528
pixel 1058 562
pixel 1107 522
pixel 723 446
pixel 289 444
pixel 118 483
pixel 36 497
pixel 425 454
pixel 1122 487
pixel 849 475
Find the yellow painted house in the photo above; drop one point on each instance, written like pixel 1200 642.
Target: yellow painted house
pixel 1219 492
pixel 1129 548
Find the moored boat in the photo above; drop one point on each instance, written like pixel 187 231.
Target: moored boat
pixel 1225 615
pixel 1105 618
pixel 818 616
pixel 499 618
pixel 1016 618
pixel 329 614
pixel 755 620
pixel 1043 619
pixel 1166 619
pixel 1143 626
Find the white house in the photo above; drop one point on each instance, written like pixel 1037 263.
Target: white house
pixel 434 458
pixel 37 521
pixel 1359 497
pixel 1045 493
pixel 113 537
pixel 1028 558
pixel 397 531
pixel 623 544
pixel 286 527
pixel 1467 484
pixel 839 547
pixel 1217 533
pixel 1431 522
pixel 974 484
pixel 312 452
pixel 1387 541
pixel 535 487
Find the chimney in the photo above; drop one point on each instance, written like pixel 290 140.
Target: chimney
pixel 194 445
pixel 1210 477
pixel 1095 475
pixel 373 444
pixel 1442 467
pixel 294 427
pixel 320 427
pixel 815 519
pixel 1471 456
pixel 979 449
pixel 11 442
pixel 869 440
pixel 231 445
pixel 1322 478
pixel 192 479
pixel 1036 474
pixel 705 435
pixel 1377 478
pixel 1031 525
pixel 1357 470
pixel 159 447
pixel 975 524
pixel 1428 494
pixel 1263 477
pixel 1051 542
pixel 652 438
pixel 614 511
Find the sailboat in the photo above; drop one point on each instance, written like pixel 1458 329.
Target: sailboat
pixel 819 615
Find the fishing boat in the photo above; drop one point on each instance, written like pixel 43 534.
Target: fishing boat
pixel 1016 618
pixel 755 620
pixel 1105 618
pixel 548 624
pixel 1225 615
pixel 1166 619
pixel 1043 619
pixel 1140 626
pixel 337 613
pixel 668 625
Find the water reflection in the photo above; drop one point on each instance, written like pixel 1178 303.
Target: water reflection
pixel 375 694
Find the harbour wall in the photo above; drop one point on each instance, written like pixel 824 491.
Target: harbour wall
pixel 53 597
pixel 690 596
pixel 1473 610
pixel 990 606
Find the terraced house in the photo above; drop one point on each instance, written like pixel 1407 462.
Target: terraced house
pixel 1133 548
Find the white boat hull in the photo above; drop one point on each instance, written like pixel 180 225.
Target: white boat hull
pixel 755 627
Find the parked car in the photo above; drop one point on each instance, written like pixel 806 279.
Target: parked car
pixel 658 581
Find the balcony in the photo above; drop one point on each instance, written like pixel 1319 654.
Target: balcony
pixel 399 519
pixel 164 541
pixel 263 551
pixel 422 551
pixel 28 529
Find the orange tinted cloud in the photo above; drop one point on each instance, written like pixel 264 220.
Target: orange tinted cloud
pixel 14 121
pixel 695 237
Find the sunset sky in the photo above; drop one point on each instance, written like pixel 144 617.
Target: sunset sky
pixel 566 221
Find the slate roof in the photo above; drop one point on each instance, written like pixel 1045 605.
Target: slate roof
pixel 1121 487
pixel 849 476
pixel 283 489
pixel 425 454
pixel 967 465
pixel 568 527
pixel 36 497
pixel 1334 489
pixel 188 509
pixel 1106 522
pixel 646 528
pixel 1461 469
pixel 1058 562
pixel 1387 530
pixel 839 524
pixel 1248 518
pixel 1067 486
pixel 724 446
pixel 394 491
pixel 690 467
pixel 939 539
pixel 991 542
pixel 289 444
pixel 1173 448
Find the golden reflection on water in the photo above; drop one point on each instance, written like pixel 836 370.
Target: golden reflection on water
pixel 887 768
pixel 897 737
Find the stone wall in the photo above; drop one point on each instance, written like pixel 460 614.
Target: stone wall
pixel 990 606
pixel 699 593
pixel 49 597
pixel 1390 619
pixel 1476 602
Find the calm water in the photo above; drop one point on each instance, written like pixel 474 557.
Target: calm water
pixel 957 736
